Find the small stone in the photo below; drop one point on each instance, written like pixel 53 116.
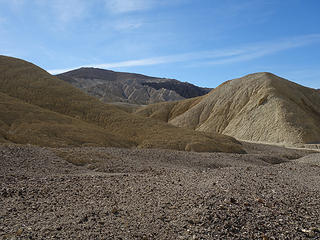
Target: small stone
pixel 84 219
pixel 19 232
pixel 20 193
pixel 316 229
pixel 115 211
pixel 233 200
pixel 309 232
pixel 190 221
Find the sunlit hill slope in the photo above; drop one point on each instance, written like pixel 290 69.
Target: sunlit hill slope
pixel 258 107
pixel 38 108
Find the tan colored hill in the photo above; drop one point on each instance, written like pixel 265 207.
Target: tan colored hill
pixel 258 107
pixel 38 108
pixel 25 123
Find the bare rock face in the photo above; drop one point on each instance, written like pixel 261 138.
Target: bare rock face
pixel 258 107
pixel 110 86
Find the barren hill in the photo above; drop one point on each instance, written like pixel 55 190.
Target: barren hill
pixel 258 107
pixel 110 86
pixel 41 109
pixel 24 123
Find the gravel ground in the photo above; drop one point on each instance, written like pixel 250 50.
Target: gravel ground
pixel 158 194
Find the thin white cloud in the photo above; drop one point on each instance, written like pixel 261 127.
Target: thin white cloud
pixel 59 12
pixel 222 56
pixel 127 24
pixel 65 11
pixel 307 77
pixel 124 6
pixel 2 25
pixel 157 60
pixel 130 63
pixel 15 4
pixel 264 49
pixel 68 10
pixel 307 73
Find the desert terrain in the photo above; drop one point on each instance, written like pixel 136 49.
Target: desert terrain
pixel 119 193
pixel 235 163
pixel 159 120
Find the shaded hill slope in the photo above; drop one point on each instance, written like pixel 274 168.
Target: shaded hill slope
pixel 110 86
pixel 31 85
pixel 258 107
pixel 24 123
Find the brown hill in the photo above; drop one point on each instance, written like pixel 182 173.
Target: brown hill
pixel 110 86
pixel 258 107
pixel 40 109
pixel 24 123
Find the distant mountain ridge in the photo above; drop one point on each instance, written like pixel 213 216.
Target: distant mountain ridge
pixel 110 86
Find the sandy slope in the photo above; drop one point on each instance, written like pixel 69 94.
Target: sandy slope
pixel 56 112
pixel 258 107
pixel 158 194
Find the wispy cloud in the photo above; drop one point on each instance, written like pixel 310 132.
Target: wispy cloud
pixel 64 11
pixel 259 50
pixel 215 57
pixel 14 4
pixel 2 23
pixel 68 10
pixel 158 60
pixel 307 76
pixel 307 73
pixel 127 24
pixel 124 6
pixel 57 12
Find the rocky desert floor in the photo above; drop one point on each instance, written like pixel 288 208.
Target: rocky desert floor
pixel 110 193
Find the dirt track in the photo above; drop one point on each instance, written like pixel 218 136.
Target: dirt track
pixel 158 194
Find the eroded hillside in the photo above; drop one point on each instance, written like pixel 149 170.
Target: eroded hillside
pixel 258 107
pixel 55 103
pixel 110 86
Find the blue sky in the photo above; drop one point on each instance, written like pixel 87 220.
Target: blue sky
pixel 205 42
